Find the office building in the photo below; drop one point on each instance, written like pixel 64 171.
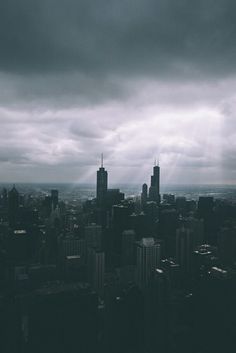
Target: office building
pixel 96 269
pixel 154 190
pixel 128 243
pixel 148 258
pixel 102 178
pixel 184 248
pixel 144 195
pixel 93 235
pixel 54 198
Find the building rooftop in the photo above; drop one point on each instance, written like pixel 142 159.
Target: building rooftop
pixel 20 231
pixel 147 241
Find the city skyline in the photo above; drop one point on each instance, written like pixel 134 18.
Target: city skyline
pixel 132 80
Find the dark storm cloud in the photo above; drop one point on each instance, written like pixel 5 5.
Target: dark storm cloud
pixel 105 37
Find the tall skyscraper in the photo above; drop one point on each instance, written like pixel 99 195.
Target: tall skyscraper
pixel 154 190
pixel 101 185
pixel 148 259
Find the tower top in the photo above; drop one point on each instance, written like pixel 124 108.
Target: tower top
pixel 156 162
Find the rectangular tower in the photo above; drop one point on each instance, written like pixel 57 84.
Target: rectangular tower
pixel 154 190
pixel 148 259
pixel 101 185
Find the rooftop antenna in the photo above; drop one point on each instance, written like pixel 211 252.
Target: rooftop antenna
pixel 102 160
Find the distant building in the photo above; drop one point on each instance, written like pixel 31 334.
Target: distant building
pixel 169 198
pixel 54 198
pixel 205 206
pixel 181 204
pixel 114 197
pixel 227 244
pixel 154 190
pixel 101 185
pixel 144 195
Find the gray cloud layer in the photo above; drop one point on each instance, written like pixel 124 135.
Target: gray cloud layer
pixel 130 78
pixel 110 36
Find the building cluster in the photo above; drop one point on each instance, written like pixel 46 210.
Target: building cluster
pixel 113 274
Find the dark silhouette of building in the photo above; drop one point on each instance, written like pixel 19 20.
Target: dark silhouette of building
pixel 101 185
pixel 148 258
pixel 128 247
pixel 184 248
pixel 54 198
pixel 154 190
pixel 205 206
pixel 158 308
pixel 144 195
pixel 205 211
pixel 113 197
pixel 96 269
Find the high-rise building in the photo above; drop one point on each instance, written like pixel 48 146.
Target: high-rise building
pixel 96 269
pixel 127 252
pixel 70 246
pixel 54 198
pixel 113 197
pixel 206 212
pixel 154 190
pixel 205 206
pixel 101 185
pixel 93 235
pixel 148 258
pixel 227 244
pixel 144 195
pixel 184 248
pixel 159 311
pixel 197 227
pixel 181 204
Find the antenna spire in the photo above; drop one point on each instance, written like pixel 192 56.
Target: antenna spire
pixel 102 160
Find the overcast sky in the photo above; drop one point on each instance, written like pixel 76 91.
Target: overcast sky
pixel 136 80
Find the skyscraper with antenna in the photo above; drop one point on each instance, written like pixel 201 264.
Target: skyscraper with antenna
pixel 154 190
pixel 101 185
